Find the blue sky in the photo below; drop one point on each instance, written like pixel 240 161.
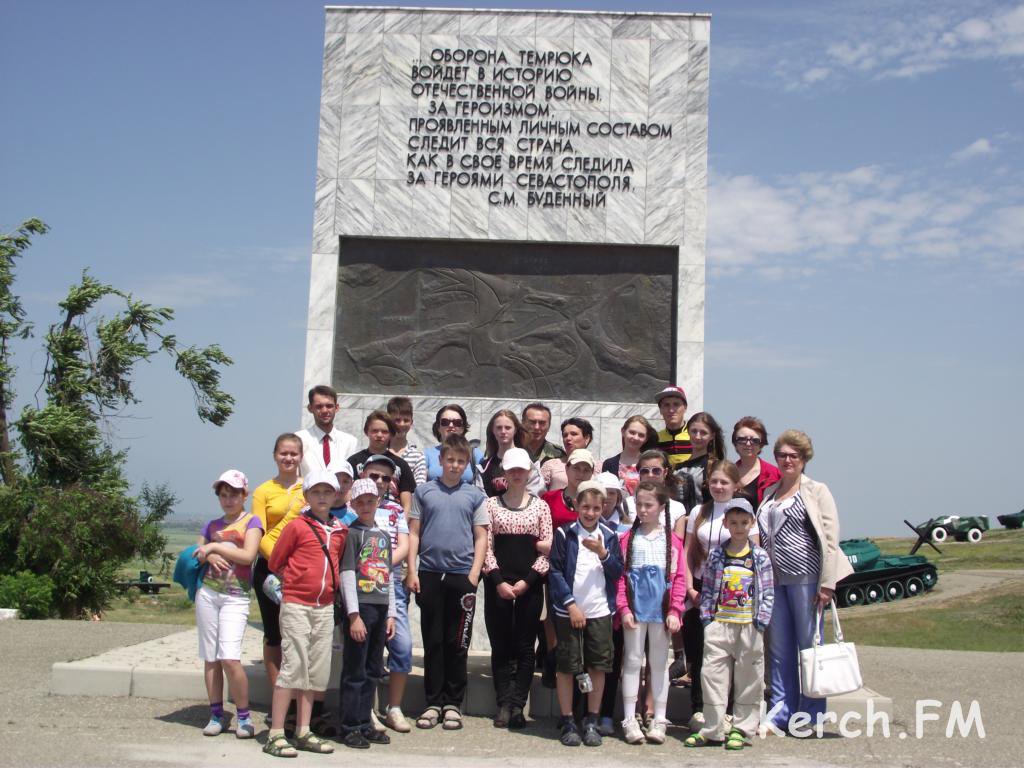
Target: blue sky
pixel 866 224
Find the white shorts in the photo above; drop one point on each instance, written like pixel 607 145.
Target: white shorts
pixel 220 620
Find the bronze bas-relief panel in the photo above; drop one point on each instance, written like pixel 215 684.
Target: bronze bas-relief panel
pixel 515 320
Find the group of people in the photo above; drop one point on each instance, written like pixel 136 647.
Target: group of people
pixel 667 563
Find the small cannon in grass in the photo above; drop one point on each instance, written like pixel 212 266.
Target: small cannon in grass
pixel 146 584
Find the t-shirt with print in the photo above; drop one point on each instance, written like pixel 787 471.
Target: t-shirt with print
pixel 735 604
pixel 588 584
pixel 237 580
pixel 390 518
pixel 368 553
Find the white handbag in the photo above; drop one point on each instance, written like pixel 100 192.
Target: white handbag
pixel 832 669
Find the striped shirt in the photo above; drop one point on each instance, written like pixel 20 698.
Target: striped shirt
pixel 676 445
pixel 790 540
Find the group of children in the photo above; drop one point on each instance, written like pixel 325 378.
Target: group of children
pixel 617 592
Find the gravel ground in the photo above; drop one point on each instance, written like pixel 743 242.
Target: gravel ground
pixel 37 729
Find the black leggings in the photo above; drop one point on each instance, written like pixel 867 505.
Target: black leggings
pixel 270 612
pixel 512 629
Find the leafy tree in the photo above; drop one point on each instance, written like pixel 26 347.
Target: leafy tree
pixel 65 508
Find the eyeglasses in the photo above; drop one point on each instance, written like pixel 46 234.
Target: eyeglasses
pixel 656 471
pixel 377 477
pixel 451 423
pixel 788 457
pixel 747 441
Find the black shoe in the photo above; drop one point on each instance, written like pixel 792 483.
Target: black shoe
pixel 570 734
pixel 591 738
pixel 502 717
pixel 376 737
pixel 517 720
pixel 356 740
pixel 547 677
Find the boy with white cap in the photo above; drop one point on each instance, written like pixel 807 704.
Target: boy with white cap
pixel 306 559
pixel 366 581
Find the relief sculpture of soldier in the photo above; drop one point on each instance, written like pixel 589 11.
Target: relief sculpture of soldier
pixel 479 333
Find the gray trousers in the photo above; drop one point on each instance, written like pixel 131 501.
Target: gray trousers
pixel 732 652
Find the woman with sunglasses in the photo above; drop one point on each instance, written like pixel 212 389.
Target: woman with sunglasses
pixel 654 464
pixel 576 433
pixel 748 438
pixel 799 527
pixel 451 420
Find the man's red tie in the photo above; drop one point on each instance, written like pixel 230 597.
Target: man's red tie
pixel 327 450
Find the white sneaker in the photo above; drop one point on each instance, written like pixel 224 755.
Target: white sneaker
pixel 378 726
pixel 696 722
pixel 245 729
pixel 217 726
pixel 396 721
pixel 631 731
pixel 656 731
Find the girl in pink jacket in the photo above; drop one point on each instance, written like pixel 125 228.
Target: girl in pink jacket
pixel 650 604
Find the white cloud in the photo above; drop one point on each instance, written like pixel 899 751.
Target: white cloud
pixel 749 356
pixel 881 40
pixel 781 226
pixel 977 148
pixel 192 290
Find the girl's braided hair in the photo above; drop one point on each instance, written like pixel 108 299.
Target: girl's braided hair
pixel 662 495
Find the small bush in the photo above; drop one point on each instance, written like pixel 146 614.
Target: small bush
pixel 30 593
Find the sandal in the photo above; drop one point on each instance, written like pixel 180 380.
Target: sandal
pixel 735 739
pixel 452 719
pixel 696 740
pixel 279 746
pixel 310 742
pixel 429 719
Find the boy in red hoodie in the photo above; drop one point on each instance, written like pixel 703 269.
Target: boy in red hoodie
pixel 306 559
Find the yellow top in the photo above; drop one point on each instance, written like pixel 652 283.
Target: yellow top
pixel 276 506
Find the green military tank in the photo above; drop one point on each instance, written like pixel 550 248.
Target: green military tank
pixel 876 578
pixel 1016 520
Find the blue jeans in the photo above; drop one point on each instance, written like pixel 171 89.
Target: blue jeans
pixel 791 630
pixel 362 666
pixel 400 646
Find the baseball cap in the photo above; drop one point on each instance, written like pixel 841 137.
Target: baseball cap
pixel 581 455
pixel 340 466
pixel 610 482
pixel 378 458
pixel 234 478
pixel 672 390
pixel 516 458
pixel 362 487
pixel 742 504
pixel 318 476
pixel 591 485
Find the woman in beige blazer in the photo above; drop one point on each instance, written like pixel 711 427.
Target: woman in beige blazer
pixel 799 526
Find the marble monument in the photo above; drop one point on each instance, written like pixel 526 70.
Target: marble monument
pixel 510 206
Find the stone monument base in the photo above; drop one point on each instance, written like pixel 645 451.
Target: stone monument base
pixel 168 668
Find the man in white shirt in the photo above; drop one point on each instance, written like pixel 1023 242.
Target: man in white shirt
pixel 323 442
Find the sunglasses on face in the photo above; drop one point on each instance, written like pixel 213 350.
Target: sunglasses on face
pixel 451 423
pixel 788 457
pixel 377 477
pixel 747 441
pixel 656 471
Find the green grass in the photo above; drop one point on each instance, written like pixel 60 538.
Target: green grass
pixel 999 549
pixel 992 621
